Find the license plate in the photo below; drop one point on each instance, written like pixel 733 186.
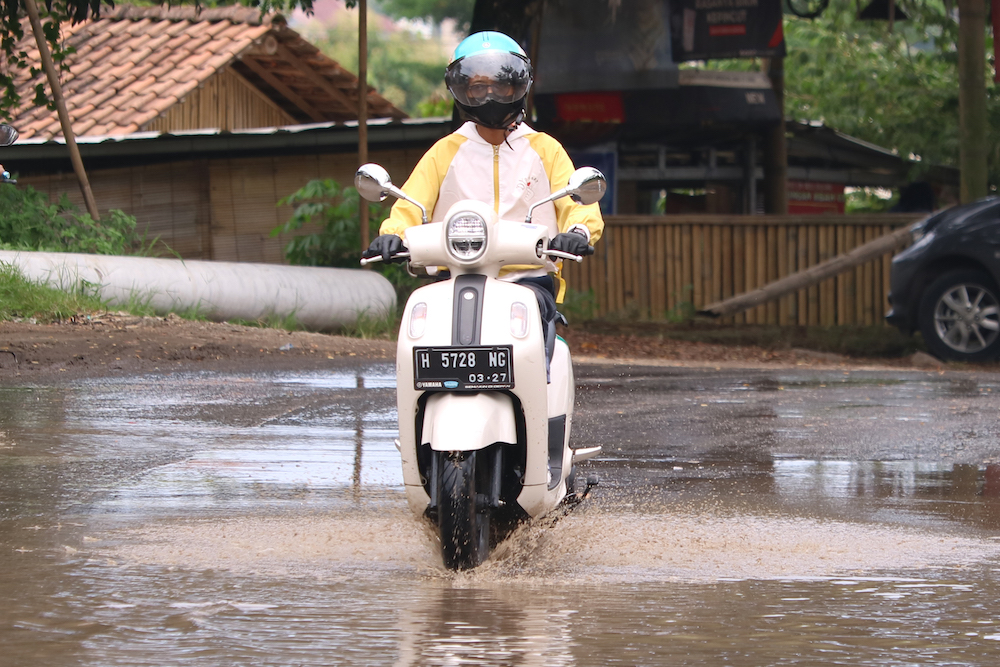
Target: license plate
pixel 463 368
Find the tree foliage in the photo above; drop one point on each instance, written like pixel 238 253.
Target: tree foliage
pixel 406 67
pixel 29 221
pixel 326 229
pixel 329 213
pixel 897 89
pixel 433 10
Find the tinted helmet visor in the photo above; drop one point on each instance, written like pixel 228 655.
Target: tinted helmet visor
pixel 491 76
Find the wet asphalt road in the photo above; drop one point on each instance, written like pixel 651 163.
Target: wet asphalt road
pixel 744 517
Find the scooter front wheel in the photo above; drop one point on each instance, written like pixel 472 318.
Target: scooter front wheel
pixel 465 530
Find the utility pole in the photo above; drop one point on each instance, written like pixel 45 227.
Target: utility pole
pixel 363 112
pixel 57 97
pixel 972 99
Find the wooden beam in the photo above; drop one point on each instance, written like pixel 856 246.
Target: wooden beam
pixel 273 81
pixel 811 276
pixel 315 78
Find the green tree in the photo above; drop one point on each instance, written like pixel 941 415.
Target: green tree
pixel 326 231
pixel 29 221
pixel 897 89
pixel 434 10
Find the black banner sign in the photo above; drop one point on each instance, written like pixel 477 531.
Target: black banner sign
pixel 709 29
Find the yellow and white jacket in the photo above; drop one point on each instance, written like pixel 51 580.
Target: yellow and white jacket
pixel 529 166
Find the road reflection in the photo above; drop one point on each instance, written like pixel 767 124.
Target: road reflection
pixel 742 519
pixel 483 626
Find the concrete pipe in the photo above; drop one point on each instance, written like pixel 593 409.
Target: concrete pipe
pixel 320 299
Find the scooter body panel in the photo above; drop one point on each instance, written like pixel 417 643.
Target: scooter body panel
pixel 448 428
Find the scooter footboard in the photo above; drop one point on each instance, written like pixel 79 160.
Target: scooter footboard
pixel 456 422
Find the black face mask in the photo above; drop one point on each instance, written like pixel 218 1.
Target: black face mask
pixel 493 115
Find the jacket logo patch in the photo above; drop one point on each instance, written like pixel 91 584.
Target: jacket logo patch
pixel 524 190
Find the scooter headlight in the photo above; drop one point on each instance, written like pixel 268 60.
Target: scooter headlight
pixel 466 234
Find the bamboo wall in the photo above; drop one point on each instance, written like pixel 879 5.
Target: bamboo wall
pixel 244 193
pixel 654 266
pixel 216 209
pixel 226 101
pixel 169 201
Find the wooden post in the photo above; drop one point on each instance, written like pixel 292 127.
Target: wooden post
pixel 57 96
pixel 972 99
pixel 776 154
pixel 363 112
pixel 995 15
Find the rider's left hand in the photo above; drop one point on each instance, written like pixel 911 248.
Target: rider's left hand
pixel 573 242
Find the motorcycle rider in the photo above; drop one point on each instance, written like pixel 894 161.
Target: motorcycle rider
pixel 495 158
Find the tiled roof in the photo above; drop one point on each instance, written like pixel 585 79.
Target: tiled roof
pixel 133 64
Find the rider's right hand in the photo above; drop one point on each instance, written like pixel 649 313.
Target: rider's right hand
pixel 573 242
pixel 385 245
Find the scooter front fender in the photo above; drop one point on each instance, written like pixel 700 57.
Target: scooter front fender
pixel 456 422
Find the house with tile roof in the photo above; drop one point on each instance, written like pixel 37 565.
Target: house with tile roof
pixel 191 121
pixel 140 69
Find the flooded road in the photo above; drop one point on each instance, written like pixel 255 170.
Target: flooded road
pixel 792 517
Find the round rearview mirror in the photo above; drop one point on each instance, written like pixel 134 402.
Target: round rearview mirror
pixel 372 182
pixel 587 185
pixel 8 134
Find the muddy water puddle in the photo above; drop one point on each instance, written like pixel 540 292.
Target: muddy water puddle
pixel 227 520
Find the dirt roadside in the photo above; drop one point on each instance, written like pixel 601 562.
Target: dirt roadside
pixel 120 344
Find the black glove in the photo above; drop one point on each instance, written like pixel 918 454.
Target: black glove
pixel 385 245
pixel 574 243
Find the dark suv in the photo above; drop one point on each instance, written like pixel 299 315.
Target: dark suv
pixel 945 284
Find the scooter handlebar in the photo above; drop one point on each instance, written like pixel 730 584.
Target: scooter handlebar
pixel 563 255
pixel 405 255
pixel 378 258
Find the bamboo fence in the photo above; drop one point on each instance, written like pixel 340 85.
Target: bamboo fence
pixel 660 267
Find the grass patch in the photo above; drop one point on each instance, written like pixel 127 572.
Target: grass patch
pixel 853 341
pixel 20 298
pixel 272 321
pixel 373 327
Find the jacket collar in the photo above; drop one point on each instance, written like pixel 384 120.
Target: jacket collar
pixel 468 130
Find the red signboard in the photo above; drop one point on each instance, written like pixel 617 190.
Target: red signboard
pixel 591 107
pixel 720 30
pixel 812 198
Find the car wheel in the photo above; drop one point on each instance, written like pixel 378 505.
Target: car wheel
pixel 959 316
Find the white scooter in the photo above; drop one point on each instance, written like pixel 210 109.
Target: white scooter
pixel 484 438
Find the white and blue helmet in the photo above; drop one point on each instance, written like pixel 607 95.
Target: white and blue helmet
pixel 489 78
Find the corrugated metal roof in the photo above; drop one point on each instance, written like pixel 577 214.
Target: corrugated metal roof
pixel 133 64
pixel 41 155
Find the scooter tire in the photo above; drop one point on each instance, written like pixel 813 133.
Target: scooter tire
pixel 465 530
